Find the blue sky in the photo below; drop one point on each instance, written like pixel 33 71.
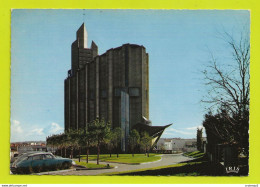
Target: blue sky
pixel 179 43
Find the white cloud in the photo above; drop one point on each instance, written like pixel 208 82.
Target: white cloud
pixel 15 122
pixel 194 128
pixel 17 131
pixel 37 131
pixel 16 127
pixel 21 132
pixel 178 131
pixel 55 128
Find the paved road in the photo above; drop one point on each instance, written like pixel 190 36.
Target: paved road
pixel 167 159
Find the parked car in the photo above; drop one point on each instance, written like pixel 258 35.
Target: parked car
pixel 14 157
pixel 38 162
pixel 19 156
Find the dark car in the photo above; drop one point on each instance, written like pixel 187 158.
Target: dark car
pixel 38 162
pixel 20 155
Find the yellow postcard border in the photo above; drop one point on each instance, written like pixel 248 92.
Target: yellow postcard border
pixel 5 25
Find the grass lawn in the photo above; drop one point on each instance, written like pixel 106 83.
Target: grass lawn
pixel 195 154
pixel 162 170
pixel 200 166
pixel 91 165
pixel 197 167
pixel 125 158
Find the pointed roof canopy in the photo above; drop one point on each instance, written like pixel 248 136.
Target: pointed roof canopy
pixel 153 131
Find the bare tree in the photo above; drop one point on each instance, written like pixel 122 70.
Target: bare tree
pixel 229 85
pixel 229 93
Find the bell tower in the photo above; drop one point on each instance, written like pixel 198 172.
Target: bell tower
pixel 82 37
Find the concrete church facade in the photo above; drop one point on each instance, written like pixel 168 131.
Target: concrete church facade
pixel 113 86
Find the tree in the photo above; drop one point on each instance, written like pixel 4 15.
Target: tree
pixel 109 141
pixel 229 93
pixel 162 147
pixel 76 135
pixel 116 139
pixel 55 142
pixel 63 142
pixel 86 140
pixel 229 87
pixel 50 142
pixel 199 139
pixel 146 142
pixel 99 130
pixel 81 141
pixel 134 140
pixel 72 140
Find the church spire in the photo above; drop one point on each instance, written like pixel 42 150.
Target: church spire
pixel 82 36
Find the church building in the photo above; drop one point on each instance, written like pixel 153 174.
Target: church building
pixel 113 86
